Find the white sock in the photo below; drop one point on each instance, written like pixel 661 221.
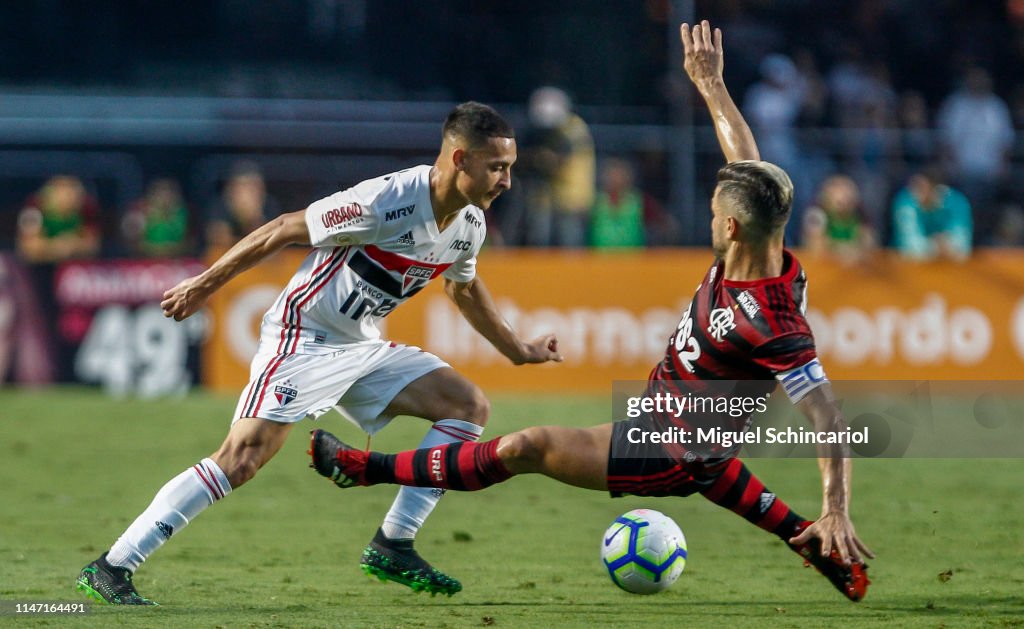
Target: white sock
pixel 414 504
pixel 176 504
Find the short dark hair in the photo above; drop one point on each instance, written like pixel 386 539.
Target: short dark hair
pixel 760 193
pixel 476 123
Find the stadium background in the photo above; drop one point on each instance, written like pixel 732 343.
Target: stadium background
pixel 321 94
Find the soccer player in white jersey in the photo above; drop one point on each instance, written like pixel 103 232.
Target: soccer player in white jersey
pixel 375 245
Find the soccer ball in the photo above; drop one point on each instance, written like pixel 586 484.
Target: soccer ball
pixel 644 551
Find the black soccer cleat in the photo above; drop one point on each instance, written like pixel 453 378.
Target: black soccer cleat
pixel 336 460
pixel 396 560
pixel 852 580
pixel 109 584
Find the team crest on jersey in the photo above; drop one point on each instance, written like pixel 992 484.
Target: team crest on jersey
pixel 721 322
pixel 285 392
pixel 415 277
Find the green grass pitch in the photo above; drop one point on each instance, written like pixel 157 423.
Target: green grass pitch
pixel 283 551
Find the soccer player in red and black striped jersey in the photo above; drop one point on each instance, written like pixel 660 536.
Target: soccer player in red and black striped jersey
pixel 743 333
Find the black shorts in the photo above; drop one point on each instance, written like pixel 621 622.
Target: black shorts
pixel 646 469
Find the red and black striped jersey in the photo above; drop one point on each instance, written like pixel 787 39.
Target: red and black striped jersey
pixel 751 332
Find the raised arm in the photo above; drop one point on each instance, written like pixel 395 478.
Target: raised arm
pixel 475 303
pixel 834 527
pixel 190 294
pixel 703 60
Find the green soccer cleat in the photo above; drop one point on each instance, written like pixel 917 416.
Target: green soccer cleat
pixel 396 560
pixel 105 583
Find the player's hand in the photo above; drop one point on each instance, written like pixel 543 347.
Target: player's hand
pixel 835 530
pixel 702 52
pixel 540 350
pixel 185 299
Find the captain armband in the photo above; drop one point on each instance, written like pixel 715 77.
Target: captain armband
pixel 800 381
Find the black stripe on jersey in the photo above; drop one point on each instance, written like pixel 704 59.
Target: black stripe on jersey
pixel 773 306
pixel 288 319
pixel 379 277
pixel 780 308
pixel 792 312
pixel 735 492
pixel 785 345
pixel 451 465
pixel 739 362
pixel 376 276
pixel 420 467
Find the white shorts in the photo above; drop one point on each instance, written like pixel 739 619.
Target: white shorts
pixel 359 381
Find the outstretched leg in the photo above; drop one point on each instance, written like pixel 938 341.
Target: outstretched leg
pixel 740 491
pixel 573 456
pixel 249 445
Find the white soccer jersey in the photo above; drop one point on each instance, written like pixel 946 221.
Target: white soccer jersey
pixel 376 245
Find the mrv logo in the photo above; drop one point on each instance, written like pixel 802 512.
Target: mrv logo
pixel 390 215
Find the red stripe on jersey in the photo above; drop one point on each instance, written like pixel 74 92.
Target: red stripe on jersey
pixel 404 473
pixel 468 468
pixel 284 324
pixel 399 263
pixel 298 289
pixel 780 309
pixel 750 495
pixel 725 481
pixel 297 329
pixel 214 491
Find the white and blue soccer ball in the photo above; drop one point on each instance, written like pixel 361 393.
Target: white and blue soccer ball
pixel 644 551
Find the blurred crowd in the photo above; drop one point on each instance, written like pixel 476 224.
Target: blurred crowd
pixel 63 220
pixel 928 186
pixel 883 154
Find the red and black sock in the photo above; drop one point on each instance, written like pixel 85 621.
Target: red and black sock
pixel 739 490
pixel 462 465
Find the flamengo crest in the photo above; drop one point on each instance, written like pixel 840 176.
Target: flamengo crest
pixel 722 321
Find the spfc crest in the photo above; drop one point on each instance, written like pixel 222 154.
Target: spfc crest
pixel 415 278
pixel 285 392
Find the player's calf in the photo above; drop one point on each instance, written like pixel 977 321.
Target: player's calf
pixel 465 466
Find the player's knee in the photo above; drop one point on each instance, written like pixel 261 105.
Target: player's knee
pixel 239 464
pixel 472 406
pixel 524 450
